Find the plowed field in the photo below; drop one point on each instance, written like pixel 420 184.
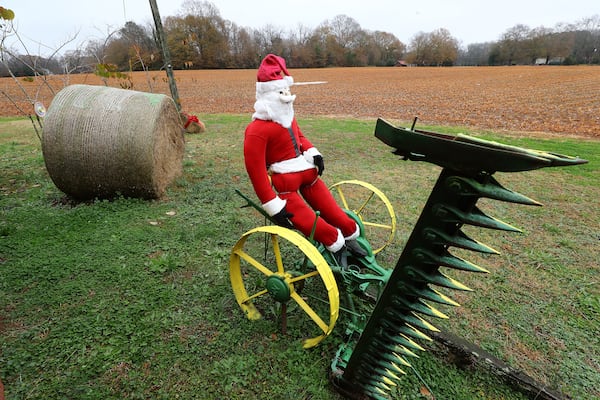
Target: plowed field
pixel 534 100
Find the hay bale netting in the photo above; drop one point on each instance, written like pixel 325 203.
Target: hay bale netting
pixel 102 142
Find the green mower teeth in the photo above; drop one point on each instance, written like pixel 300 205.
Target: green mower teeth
pixel 418 306
pixel 430 294
pixel 375 362
pixel 439 279
pixel 473 217
pixel 491 189
pixel 458 239
pixel 445 259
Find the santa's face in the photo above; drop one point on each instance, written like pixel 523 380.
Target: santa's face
pixel 276 105
pixel 285 95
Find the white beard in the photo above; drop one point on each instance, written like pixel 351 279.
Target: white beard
pixel 276 107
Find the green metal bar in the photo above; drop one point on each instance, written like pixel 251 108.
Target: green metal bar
pixel 257 207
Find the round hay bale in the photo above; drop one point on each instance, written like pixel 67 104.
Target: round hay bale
pixel 102 142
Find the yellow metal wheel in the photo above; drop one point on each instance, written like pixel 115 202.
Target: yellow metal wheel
pixel 372 207
pixel 271 265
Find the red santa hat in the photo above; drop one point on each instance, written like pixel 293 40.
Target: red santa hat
pixel 272 75
pixel 271 68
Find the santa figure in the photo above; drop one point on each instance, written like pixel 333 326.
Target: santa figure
pixel 275 148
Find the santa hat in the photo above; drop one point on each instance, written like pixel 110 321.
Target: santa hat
pixel 269 76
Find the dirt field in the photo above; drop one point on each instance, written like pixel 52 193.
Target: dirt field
pixel 536 100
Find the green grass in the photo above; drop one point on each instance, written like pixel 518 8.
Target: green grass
pixel 131 299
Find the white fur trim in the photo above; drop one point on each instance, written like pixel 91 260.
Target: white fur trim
pixel 338 244
pixel 292 165
pixel 274 86
pixel 272 207
pixel 355 235
pixel 310 154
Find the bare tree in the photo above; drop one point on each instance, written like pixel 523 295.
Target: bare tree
pixel 419 50
pixel 476 54
pixel 444 47
pixel 77 61
pixel 301 54
pixel 29 103
pixel 437 48
pixel 389 49
pixel 198 39
pixel 512 45
pixel 586 46
pixel 346 30
pixel 343 38
pixel 200 9
pixel 549 44
pixel 270 39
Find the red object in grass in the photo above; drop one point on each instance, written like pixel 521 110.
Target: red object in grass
pixel 190 119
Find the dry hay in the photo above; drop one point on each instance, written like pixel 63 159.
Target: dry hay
pixel 100 142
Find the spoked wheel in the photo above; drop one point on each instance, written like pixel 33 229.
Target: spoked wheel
pixel 272 266
pixel 372 207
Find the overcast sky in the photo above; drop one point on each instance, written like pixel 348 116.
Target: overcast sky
pixel 46 24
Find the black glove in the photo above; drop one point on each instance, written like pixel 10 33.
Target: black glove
pixel 319 163
pixel 282 218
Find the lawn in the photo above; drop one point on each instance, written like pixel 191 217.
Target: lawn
pixel 131 299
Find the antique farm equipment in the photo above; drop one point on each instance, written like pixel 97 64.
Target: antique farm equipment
pixel 387 308
pixel 276 263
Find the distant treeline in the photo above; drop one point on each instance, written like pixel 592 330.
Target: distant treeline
pixel 199 38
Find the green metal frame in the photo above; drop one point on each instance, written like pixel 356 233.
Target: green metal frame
pixel 369 365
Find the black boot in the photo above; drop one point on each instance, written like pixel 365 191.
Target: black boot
pixel 341 257
pixel 355 248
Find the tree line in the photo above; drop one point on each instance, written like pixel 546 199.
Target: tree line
pixel 199 38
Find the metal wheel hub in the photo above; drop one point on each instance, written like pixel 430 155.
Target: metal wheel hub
pixel 278 288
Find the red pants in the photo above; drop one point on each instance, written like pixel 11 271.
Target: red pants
pixel 319 198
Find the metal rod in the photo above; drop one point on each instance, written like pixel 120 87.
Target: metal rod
pixel 312 234
pixel 166 54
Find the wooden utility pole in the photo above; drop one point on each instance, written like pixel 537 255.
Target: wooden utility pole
pixel 166 55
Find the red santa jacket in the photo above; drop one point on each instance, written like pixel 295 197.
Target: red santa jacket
pixel 271 148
